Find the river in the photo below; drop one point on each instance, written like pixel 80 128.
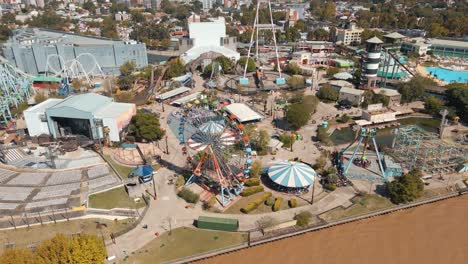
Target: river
pixel 433 233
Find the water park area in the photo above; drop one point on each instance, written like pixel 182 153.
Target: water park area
pixel 448 75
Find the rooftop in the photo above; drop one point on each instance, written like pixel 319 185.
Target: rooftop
pixel 243 112
pixel 395 35
pixel 351 91
pixel 386 91
pixel 45 36
pixel 172 93
pixel 41 107
pixel 452 43
pixel 89 102
pixel 374 40
pixel 114 110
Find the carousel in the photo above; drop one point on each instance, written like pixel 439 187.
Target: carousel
pixel 291 176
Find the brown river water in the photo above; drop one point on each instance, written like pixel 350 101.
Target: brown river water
pixel 433 233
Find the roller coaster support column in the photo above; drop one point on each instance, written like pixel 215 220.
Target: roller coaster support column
pixel 354 154
pixel 378 158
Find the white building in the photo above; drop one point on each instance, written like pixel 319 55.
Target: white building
pixel 208 4
pixel 79 115
pixel 210 37
pixel 350 34
pixel 418 46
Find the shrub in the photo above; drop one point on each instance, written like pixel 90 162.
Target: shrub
pixel 188 196
pixel 330 187
pixel 251 190
pixel 293 203
pixel 252 182
pixel 277 204
pixel 180 181
pixel 255 203
pixel 303 218
pixel 270 201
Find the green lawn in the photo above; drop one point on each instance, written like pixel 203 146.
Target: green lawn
pixel 184 242
pixel 123 170
pixel 361 205
pixel 235 208
pixel 115 198
pixel 22 237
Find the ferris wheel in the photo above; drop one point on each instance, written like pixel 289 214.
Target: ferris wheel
pixel 207 139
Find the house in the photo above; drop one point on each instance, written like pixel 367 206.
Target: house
pixel 393 95
pixel 352 95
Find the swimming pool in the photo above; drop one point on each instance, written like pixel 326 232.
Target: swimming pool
pixel 448 75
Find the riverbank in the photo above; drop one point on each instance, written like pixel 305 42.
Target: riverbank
pixel 430 233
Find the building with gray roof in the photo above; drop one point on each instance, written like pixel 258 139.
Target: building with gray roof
pixel 40 51
pixel 84 114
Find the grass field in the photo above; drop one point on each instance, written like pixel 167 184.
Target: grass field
pixel 121 169
pixel 22 237
pixel 183 242
pixel 362 204
pixel 235 208
pixel 115 198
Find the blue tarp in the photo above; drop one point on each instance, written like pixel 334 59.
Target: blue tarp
pixel 143 171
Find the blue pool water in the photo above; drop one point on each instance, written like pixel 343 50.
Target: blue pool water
pixel 448 75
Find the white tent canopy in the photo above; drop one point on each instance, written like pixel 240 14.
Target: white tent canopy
pixel 243 112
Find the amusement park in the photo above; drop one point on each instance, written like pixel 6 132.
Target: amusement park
pixel 240 142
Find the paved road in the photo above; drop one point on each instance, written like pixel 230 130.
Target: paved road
pixel 169 211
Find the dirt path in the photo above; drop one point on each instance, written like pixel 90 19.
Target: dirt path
pixel 434 233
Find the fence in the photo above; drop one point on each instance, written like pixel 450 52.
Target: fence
pixel 268 239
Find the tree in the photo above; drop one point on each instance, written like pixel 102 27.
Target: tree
pixel 457 97
pixel 226 64
pixel 303 218
pixel 297 116
pixel 296 82
pixel 299 112
pixel 406 188
pixel 327 93
pixel 146 126
pixel 332 71
pixel 301 25
pixel 259 139
pixel 414 89
pixel 89 6
pixel 256 168
pixel 438 30
pixel 175 68
pixel 137 17
pixel 250 64
pixel 17 256
pixel 318 34
pixel 81 248
pixel 433 105
pixel 109 28
pixel 292 34
pixel 126 78
pixel 292 68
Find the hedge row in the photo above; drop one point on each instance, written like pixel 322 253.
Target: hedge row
pixel 252 182
pixel 277 204
pixel 188 196
pixel 270 201
pixel 255 203
pixel 292 203
pixel 251 190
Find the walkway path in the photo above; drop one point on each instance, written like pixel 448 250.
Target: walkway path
pixel 169 211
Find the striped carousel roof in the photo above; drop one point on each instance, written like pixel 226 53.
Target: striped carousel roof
pixel 292 174
pixel 199 141
pixel 212 127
